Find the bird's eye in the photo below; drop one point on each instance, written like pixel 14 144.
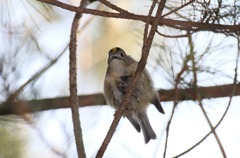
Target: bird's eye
pixel 121 54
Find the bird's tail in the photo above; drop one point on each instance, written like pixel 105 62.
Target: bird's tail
pixel 146 127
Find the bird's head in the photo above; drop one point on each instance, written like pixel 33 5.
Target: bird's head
pixel 116 54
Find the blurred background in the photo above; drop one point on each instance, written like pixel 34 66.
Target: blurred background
pixel 34 34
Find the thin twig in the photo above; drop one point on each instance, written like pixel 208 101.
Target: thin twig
pixel 199 98
pixel 179 8
pixel 145 34
pixel 234 88
pixel 173 36
pixel 13 96
pixel 176 95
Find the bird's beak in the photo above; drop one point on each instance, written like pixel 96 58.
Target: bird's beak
pixel 111 57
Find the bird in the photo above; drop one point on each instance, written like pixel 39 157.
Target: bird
pixel 119 74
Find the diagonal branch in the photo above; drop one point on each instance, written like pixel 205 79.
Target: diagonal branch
pixel 141 65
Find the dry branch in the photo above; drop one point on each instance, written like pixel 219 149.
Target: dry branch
pixel 38 105
pixel 147 43
pixel 177 24
pixel 73 100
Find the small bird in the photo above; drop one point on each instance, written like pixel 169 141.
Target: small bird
pixel 120 71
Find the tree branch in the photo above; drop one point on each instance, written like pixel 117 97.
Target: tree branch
pixel 177 24
pixel 141 65
pixel 38 105
pixel 73 100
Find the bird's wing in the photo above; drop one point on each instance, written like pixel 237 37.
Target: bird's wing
pixel 122 87
pixel 134 123
pixel 157 104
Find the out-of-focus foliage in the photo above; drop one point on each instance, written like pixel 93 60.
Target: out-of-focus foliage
pixel 11 140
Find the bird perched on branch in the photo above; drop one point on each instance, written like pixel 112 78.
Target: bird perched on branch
pixel 120 71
